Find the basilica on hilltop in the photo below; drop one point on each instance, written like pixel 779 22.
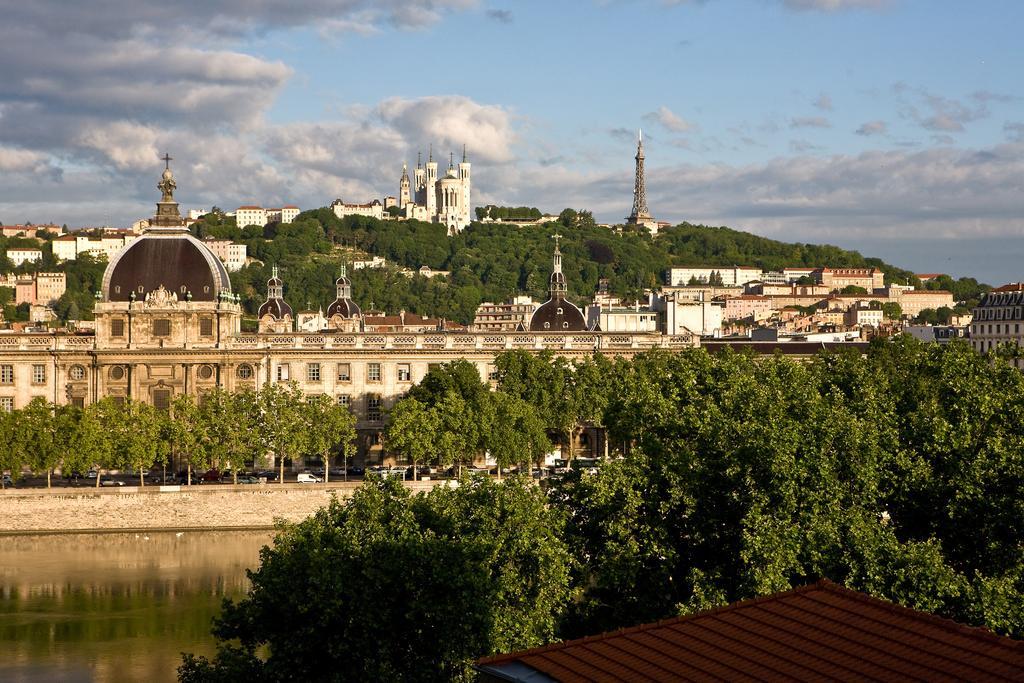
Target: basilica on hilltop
pixel 445 200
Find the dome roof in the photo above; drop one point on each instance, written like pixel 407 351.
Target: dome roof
pixel 346 308
pixel 174 260
pixel 557 315
pixel 277 308
pixel 343 280
pixel 275 282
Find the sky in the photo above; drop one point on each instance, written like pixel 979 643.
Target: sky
pixel 891 126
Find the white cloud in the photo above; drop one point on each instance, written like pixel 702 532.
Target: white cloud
pixel 810 122
pixel 833 5
pixel 872 128
pixel 669 120
pixel 824 102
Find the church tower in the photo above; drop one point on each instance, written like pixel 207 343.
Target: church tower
pixel 403 188
pixel 431 185
pixel 640 215
pixel 420 176
pixel 464 177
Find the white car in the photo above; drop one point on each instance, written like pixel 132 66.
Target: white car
pixel 307 478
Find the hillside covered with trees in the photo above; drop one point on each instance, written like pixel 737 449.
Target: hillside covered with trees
pixel 493 261
pixel 487 261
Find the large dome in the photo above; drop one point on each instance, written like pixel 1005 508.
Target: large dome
pixel 175 261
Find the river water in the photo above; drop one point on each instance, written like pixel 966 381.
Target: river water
pixel 115 607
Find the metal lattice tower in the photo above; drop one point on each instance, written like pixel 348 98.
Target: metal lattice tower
pixel 640 210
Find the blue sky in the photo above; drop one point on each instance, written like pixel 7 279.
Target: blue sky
pixel 895 126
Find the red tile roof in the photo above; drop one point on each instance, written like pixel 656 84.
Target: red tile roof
pixel 819 632
pixel 1012 287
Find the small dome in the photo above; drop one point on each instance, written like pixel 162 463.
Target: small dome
pixel 343 280
pixel 276 308
pixel 275 282
pixel 175 261
pixel 557 315
pixel 167 174
pixel 346 308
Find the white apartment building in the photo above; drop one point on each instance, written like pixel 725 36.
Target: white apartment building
pixel 250 215
pixel 65 248
pixel 289 213
pixel 374 209
pixel 684 315
pixel 999 318
pixel 732 276
pixel 622 319
pixel 232 255
pixel 19 256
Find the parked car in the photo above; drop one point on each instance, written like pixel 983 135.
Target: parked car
pixel 356 470
pixel 249 479
pixel 209 476
pixel 307 478
pixel 7 481
pixel 92 474
pixel 269 475
pixel 379 470
pixel 111 482
pixel 337 471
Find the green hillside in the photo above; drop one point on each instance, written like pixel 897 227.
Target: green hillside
pixel 488 261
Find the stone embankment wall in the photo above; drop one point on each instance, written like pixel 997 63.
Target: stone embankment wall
pixel 167 507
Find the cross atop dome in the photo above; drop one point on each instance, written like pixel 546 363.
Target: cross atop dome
pixel 167 159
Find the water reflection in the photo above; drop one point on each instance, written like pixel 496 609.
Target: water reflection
pixel 115 607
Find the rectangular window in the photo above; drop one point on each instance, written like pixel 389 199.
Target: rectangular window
pixel 492 373
pixel 282 373
pixel 344 400
pixel 117 400
pixel 312 372
pixel 162 399
pixel 161 327
pixel 38 374
pixel 404 374
pixel 206 327
pixel 78 401
pixel 6 374
pixel 373 408
pixel 117 327
pixel 344 372
pixel 373 372
pixel 7 404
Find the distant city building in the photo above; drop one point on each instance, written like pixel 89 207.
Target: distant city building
pixel 19 256
pixel 730 276
pixel 510 316
pixel 863 316
pixel 838 278
pixel 250 215
pixel 373 209
pixel 746 306
pixel 374 262
pixel 641 215
pixel 913 302
pixel 29 230
pixel 998 318
pixel 557 314
pixel 940 334
pixel 683 315
pixel 232 255
pixel 41 288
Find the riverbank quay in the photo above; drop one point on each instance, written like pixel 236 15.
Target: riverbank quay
pixel 169 508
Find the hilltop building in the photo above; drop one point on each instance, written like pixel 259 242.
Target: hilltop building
pixel 445 200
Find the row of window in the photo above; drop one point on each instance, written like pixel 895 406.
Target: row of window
pixel 315 372
pixel 162 327
pixel 998 329
pixel 38 374
pixel 983 313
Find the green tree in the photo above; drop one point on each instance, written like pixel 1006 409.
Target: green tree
pixel 413 431
pixel 187 428
pixel 390 586
pixel 518 435
pixel 280 423
pixel 853 289
pixel 892 310
pixel 328 425
pixel 231 427
pixel 38 439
